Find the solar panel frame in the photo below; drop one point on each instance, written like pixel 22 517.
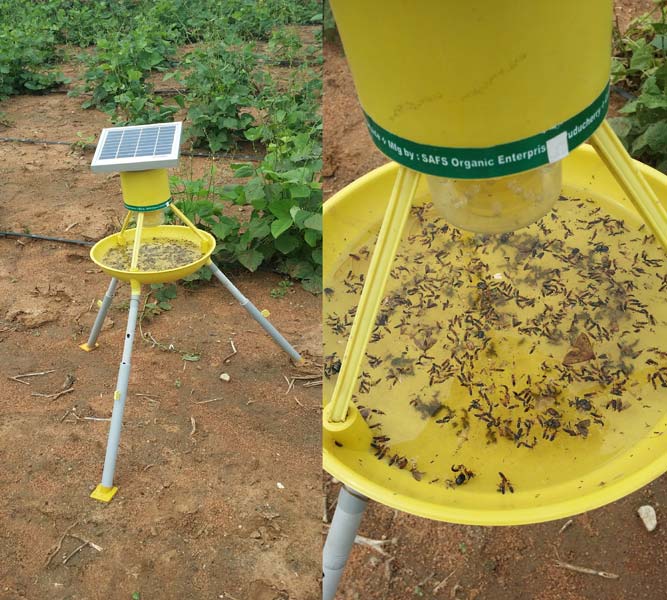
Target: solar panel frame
pixel 138 147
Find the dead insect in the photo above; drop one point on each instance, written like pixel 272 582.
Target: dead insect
pixel 505 484
pixel 416 473
pixel 463 474
pixel 328 292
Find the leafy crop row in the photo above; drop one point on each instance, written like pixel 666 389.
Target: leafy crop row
pixel 640 68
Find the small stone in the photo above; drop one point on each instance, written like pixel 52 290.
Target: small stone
pixel 280 486
pixel 225 376
pixel 256 535
pixel 648 517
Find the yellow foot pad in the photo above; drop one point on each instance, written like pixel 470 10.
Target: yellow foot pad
pixel 88 348
pixel 104 494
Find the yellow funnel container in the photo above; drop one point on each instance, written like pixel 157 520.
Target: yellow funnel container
pixel 590 443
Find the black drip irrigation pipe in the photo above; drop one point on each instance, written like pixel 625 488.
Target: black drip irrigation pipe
pixel 45 237
pixel 622 93
pixel 14 140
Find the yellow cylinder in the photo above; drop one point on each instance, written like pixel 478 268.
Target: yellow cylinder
pixel 145 191
pixel 472 90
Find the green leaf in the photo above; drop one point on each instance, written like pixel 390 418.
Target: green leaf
pixel 642 57
pixel 250 259
pixel 654 138
pixel 299 190
pixel 311 237
pixel 254 189
pixel 254 133
pixel 191 357
pixel 312 284
pixel 165 305
pixel 257 229
pixel 222 229
pixel 621 125
pixel 286 243
pixel 279 226
pixel 314 222
pixel 242 170
pixel 659 42
pixel 282 209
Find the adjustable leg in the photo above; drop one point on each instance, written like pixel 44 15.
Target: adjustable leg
pixel 105 491
pixel 340 539
pixel 91 344
pixel 255 314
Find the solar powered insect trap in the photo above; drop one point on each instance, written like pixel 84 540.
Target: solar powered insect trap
pixel 147 251
pixel 494 315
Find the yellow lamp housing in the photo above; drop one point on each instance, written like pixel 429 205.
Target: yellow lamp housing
pixel 485 98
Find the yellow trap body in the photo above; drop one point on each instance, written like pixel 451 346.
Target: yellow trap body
pixel 511 378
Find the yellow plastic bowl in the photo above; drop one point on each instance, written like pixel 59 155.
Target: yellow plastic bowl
pixel 161 232
pixel 627 455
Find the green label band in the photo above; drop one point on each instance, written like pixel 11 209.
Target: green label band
pixel 495 161
pixel 164 204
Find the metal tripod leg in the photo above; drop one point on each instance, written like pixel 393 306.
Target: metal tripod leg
pixel 340 539
pixel 91 344
pixel 254 313
pixel 105 491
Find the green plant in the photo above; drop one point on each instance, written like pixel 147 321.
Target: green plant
pixel 285 45
pixel 640 66
pixel 283 287
pixel 116 74
pixel 82 143
pixel 162 294
pixel 28 52
pixel 220 85
pixel 281 222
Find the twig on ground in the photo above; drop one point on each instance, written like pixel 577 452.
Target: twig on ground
pixel 97 418
pixel 207 401
pixel 440 584
pixel 53 396
pixel 565 526
pixel 194 426
pixel 71 554
pixel 312 383
pixel 234 351
pixel 93 545
pixel 374 544
pixel 297 401
pixel 56 548
pixel 585 570
pixel 290 384
pixel 35 374
pixel 70 226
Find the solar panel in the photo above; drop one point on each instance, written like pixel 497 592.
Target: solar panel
pixel 138 148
